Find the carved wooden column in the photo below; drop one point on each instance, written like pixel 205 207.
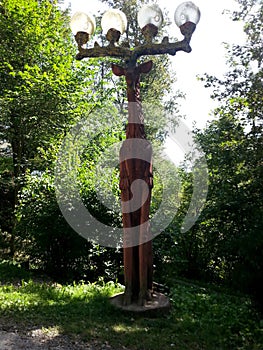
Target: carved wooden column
pixel 136 164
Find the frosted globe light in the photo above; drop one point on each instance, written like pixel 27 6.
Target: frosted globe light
pixel 83 22
pixel 150 14
pixel 114 19
pixel 187 12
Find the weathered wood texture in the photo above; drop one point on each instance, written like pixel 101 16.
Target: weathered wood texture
pixel 136 164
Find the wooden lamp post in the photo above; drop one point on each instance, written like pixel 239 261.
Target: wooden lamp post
pixel 136 151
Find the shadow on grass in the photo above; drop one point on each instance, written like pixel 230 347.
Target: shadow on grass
pixel 85 311
pixel 199 319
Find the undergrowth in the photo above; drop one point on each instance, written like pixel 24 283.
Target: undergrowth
pixel 200 318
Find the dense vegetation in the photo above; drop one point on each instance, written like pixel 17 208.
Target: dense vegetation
pixel 44 91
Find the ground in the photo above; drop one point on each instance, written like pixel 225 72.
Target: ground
pixel 39 339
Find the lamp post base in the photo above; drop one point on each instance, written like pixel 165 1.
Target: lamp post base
pixel 159 304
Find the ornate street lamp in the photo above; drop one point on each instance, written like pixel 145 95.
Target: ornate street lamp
pixel 83 26
pixel 136 151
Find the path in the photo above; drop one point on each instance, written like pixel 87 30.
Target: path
pixel 43 340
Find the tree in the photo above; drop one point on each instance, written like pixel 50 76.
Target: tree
pixel 42 89
pixel 158 94
pixel 233 144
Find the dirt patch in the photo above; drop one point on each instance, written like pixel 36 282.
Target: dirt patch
pixel 39 339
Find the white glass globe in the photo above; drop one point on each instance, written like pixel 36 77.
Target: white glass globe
pixel 150 14
pixel 82 22
pixel 114 19
pixel 187 12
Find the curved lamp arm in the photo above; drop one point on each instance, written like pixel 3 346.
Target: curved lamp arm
pixel 150 18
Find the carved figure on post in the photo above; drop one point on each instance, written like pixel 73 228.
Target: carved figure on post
pixel 136 184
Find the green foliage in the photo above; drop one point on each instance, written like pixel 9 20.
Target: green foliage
pixel 160 98
pixel 179 252
pixel 98 175
pixel 6 204
pixel 231 223
pixel 43 90
pixel 11 272
pixel 36 76
pixel 44 238
pixel 225 245
pixel 48 243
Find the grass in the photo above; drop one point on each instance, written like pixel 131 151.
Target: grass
pixel 200 317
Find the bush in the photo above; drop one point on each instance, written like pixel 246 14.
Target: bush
pixel 50 244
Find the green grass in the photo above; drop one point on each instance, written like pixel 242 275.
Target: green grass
pixel 200 317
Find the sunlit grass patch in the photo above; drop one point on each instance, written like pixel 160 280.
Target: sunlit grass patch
pixel 200 317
